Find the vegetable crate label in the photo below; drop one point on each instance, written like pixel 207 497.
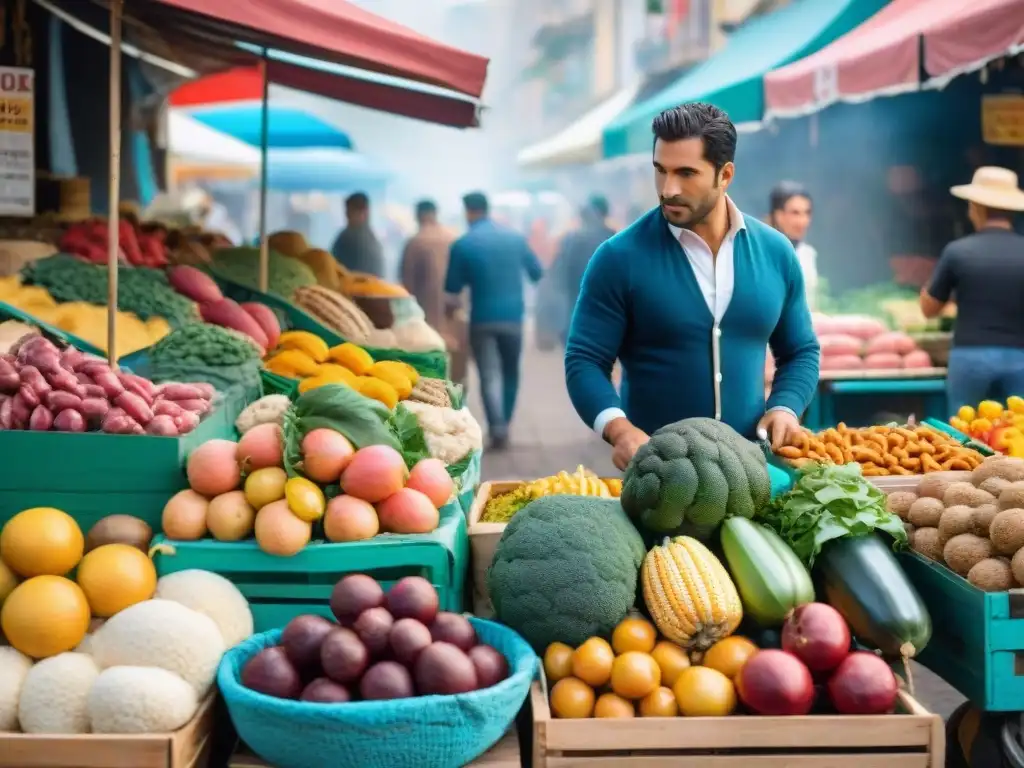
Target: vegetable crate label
pixel 17 147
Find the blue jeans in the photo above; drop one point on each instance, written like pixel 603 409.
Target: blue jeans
pixel 983 373
pixel 497 348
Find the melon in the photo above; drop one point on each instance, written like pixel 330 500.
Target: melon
pixel 115 576
pixel 41 541
pixel 44 616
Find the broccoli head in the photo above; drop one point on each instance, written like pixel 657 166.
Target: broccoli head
pixel 693 474
pixel 565 569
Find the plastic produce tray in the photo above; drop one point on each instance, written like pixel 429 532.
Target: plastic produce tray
pixel 966 440
pixel 280 588
pixel 94 474
pixel 977 643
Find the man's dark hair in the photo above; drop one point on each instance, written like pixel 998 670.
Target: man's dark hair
pixel 425 208
pixel 699 120
pixel 598 205
pixel 783 192
pixel 476 202
pixel 357 201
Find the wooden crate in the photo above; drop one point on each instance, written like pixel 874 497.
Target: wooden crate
pixel 504 754
pixel 483 540
pixel 188 747
pixel 913 739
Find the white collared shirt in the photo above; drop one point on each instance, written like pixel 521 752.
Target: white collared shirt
pixel 716 278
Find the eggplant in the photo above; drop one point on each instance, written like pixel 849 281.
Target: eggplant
pixel 862 579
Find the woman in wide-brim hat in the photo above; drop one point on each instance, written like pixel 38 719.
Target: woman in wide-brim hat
pixel 984 272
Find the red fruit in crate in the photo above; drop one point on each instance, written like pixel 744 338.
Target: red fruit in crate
pixel 446 670
pixel 430 477
pixel 863 685
pixel 343 656
pixel 455 629
pixel 271 673
pixel 408 511
pixel 326 691
pixel 491 666
pixel 302 638
pixel 408 638
pixel 776 683
pixel 374 473
pixel 325 453
pixel 386 680
pixel 374 628
pixel 413 598
pixel 818 635
pixel 354 594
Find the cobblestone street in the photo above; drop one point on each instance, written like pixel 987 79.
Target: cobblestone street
pixel 548 436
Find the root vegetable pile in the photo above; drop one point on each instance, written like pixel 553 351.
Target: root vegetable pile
pixel 883 450
pixel 43 388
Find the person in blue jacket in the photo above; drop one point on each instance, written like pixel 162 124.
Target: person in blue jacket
pixel 688 298
pixel 491 261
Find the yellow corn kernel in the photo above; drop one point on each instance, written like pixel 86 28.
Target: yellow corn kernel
pixel 378 390
pixel 394 374
pixel 304 341
pixel 293 363
pixel 352 356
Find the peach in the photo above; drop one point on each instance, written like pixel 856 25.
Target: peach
pixel 408 511
pixel 350 519
pixel 374 473
pixel 431 478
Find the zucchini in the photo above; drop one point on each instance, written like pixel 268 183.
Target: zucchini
pixel 770 577
pixel 862 579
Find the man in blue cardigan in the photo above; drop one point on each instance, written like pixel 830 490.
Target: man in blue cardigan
pixel 688 298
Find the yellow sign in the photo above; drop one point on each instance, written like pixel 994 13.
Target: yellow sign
pixel 1002 120
pixel 15 114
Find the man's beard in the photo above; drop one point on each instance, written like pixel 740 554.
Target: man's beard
pixel 692 216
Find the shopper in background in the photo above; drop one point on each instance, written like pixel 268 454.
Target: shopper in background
pixel 984 273
pixel 357 248
pixel 790 212
pixel 490 261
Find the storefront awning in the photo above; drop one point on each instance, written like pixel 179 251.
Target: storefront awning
pixel 580 143
pixel 287 127
pixel 883 55
pixel 310 44
pixel 733 78
pixel 190 141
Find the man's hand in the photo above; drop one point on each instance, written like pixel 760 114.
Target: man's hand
pixel 625 439
pixel 781 427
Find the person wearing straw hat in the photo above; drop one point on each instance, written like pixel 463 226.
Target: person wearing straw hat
pixel 984 272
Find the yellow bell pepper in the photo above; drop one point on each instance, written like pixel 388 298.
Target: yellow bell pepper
pixel 990 409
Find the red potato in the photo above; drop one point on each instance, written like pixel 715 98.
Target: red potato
pixel 94 409
pixel 894 341
pixel 167 408
pixel 92 367
pixel 194 283
pixel 917 359
pixel 69 421
pixel 71 358
pixel 9 378
pixel 41 419
pixel 162 426
pixel 34 380
pixel 20 411
pixel 229 314
pixel 132 386
pixel 40 354
pixel 6 413
pixel 117 422
pixel 206 390
pixel 267 320
pixel 94 390
pixel 841 363
pixel 135 407
pixel 196 406
pixel 65 380
pixel 839 344
pixel 186 422
pixel 59 400
pixel 29 396
pixel 883 361
pixel 112 386
pixel 175 391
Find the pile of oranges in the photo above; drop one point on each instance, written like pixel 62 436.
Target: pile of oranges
pixel 639 675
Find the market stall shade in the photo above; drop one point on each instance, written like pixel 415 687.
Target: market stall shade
pixel 338 34
pixel 193 141
pixel 732 78
pixel 322 170
pixel 883 56
pixel 580 142
pixel 288 128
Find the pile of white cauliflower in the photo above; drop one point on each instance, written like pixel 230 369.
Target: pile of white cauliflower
pixel 147 669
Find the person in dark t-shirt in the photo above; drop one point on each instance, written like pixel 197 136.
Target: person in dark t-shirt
pixel 984 274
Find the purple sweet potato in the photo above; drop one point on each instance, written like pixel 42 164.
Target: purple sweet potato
pixel 58 400
pixel 135 407
pixel 229 314
pixel 194 283
pixel 196 406
pixel 117 422
pixel 6 412
pixel 162 426
pixel 41 419
pixel 69 421
pixel 186 422
pixel 95 409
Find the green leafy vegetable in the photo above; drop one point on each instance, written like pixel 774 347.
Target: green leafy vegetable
pixel 829 502
pixel 406 428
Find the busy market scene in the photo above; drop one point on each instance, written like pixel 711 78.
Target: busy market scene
pixel 431 382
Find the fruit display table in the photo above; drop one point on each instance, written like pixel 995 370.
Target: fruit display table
pixel 923 390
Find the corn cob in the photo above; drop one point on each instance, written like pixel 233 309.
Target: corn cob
pixel 691 597
pixel 432 392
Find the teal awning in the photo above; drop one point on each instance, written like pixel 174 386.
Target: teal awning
pixel 732 78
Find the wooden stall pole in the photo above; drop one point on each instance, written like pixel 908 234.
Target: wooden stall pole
pixel 264 144
pixel 113 200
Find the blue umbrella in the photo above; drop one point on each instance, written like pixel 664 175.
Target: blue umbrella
pixel 323 170
pixel 289 128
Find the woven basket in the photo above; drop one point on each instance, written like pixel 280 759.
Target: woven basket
pixel 15 254
pixel 421 732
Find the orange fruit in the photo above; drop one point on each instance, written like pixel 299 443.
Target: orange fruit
pixel 660 702
pixel 41 541
pixel 634 634
pixel 44 616
pixel 635 674
pixel 610 705
pixel 672 660
pixel 592 662
pixel 704 692
pixel 115 576
pixel 557 662
pixel 729 655
pixel 572 698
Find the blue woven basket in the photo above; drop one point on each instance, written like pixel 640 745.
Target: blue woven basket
pixel 422 732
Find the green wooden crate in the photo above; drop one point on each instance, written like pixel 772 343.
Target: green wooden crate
pixel 91 475
pixel 280 588
pixel 8 312
pixel 977 643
